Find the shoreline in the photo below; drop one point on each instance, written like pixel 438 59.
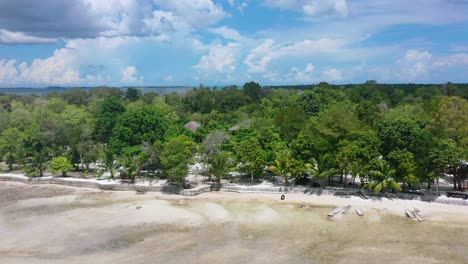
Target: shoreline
pixel 432 211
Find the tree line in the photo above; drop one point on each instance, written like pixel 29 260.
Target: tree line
pixel 388 136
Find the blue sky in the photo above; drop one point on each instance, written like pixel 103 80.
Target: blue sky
pixel 222 42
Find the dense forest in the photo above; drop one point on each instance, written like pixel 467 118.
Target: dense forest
pixel 388 136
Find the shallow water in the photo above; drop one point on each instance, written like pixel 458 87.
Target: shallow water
pixel 70 226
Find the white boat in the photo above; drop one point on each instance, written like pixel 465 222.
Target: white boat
pixel 334 212
pixel 359 212
pixel 410 214
pixel 346 209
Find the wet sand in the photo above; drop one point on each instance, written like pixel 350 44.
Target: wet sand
pixel 53 224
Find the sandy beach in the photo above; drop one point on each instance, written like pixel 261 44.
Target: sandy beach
pixel 56 224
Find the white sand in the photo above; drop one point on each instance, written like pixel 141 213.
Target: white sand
pixel 86 225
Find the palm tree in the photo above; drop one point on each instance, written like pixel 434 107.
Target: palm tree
pixel 283 166
pixel 108 162
pixel 220 163
pixel 129 167
pixel 323 167
pixel 383 178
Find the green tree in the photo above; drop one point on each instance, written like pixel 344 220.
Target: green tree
pixel 60 164
pixel 129 168
pixel 220 164
pixel 283 166
pixel 109 112
pixel 10 146
pixel 251 156
pixel 175 157
pixel 405 165
pixel 132 94
pixel 382 178
pixel 323 168
pixel 253 90
pixel 444 154
pixel 137 125
pixel 108 161
pixel 450 120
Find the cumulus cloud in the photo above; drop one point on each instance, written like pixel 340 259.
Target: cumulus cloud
pixel 47 20
pixel 197 13
pixel 414 66
pixel 130 75
pixel 331 75
pixel 220 59
pixel 65 65
pixel 260 57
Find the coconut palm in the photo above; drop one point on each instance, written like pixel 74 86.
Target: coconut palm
pixel 322 168
pixel 108 162
pixel 283 166
pixel 220 163
pixel 129 167
pixel 383 178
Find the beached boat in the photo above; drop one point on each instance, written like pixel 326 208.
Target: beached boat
pixel 334 212
pixel 346 209
pixel 359 212
pixel 417 215
pixel 410 214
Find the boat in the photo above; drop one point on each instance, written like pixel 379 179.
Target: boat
pixel 410 214
pixel 346 209
pixel 359 212
pixel 418 216
pixel 334 212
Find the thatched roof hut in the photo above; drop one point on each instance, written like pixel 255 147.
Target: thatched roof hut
pixel 192 126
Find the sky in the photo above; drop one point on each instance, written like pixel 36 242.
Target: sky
pixel 224 42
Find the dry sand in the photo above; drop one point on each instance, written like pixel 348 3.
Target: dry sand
pixel 52 224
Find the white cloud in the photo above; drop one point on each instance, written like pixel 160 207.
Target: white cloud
pixel 8 71
pixel 130 75
pixel 8 37
pixel 227 33
pixel 452 60
pixel 197 13
pixel 260 57
pixel 63 67
pixel 303 76
pixel 331 75
pixel 311 7
pixel 414 66
pixel 220 59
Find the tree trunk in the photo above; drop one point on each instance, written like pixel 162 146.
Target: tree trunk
pixel 251 175
pixel 341 177
pixel 429 184
pixel 437 186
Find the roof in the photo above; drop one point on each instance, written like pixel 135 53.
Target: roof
pixel 192 126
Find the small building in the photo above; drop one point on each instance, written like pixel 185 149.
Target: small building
pixel 192 126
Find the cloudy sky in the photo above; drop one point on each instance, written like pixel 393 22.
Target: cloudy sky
pixel 220 42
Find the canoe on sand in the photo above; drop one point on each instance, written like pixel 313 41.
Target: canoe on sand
pixel 334 212
pixel 359 212
pixel 346 209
